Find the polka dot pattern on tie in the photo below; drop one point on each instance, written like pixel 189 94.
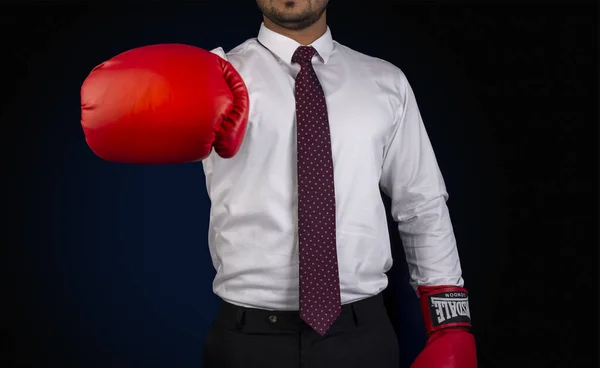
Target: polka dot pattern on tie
pixel 320 303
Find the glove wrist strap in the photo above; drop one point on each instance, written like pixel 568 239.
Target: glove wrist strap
pixel 444 307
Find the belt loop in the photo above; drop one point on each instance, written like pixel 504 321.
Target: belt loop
pixel 239 318
pixel 354 314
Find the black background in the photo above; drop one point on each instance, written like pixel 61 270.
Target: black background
pixel 106 265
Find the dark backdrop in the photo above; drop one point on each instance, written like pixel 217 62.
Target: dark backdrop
pixel 107 265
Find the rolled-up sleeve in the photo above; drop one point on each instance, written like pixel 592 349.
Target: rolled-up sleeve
pixel 412 179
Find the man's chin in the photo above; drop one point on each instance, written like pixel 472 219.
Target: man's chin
pixel 294 24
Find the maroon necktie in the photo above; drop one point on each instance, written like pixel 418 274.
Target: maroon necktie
pixel 319 281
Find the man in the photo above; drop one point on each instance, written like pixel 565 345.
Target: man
pixel 297 135
pixel 261 212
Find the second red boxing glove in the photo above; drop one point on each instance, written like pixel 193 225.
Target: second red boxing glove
pixel 447 318
pixel 164 104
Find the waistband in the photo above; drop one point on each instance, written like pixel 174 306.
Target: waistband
pixel 366 311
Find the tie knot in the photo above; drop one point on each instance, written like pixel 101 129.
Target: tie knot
pixel 303 54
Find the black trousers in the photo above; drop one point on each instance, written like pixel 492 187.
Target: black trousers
pixel 362 337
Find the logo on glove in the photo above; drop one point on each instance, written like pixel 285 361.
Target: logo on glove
pixel 449 308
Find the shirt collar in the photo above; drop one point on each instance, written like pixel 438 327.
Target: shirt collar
pixel 284 47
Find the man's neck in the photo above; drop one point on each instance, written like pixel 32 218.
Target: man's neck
pixel 305 36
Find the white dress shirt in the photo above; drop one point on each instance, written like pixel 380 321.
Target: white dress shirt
pixel 378 141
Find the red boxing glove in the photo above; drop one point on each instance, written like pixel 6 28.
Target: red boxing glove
pixel 164 104
pixel 447 322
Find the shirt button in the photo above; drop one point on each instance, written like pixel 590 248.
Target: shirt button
pixel 273 319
